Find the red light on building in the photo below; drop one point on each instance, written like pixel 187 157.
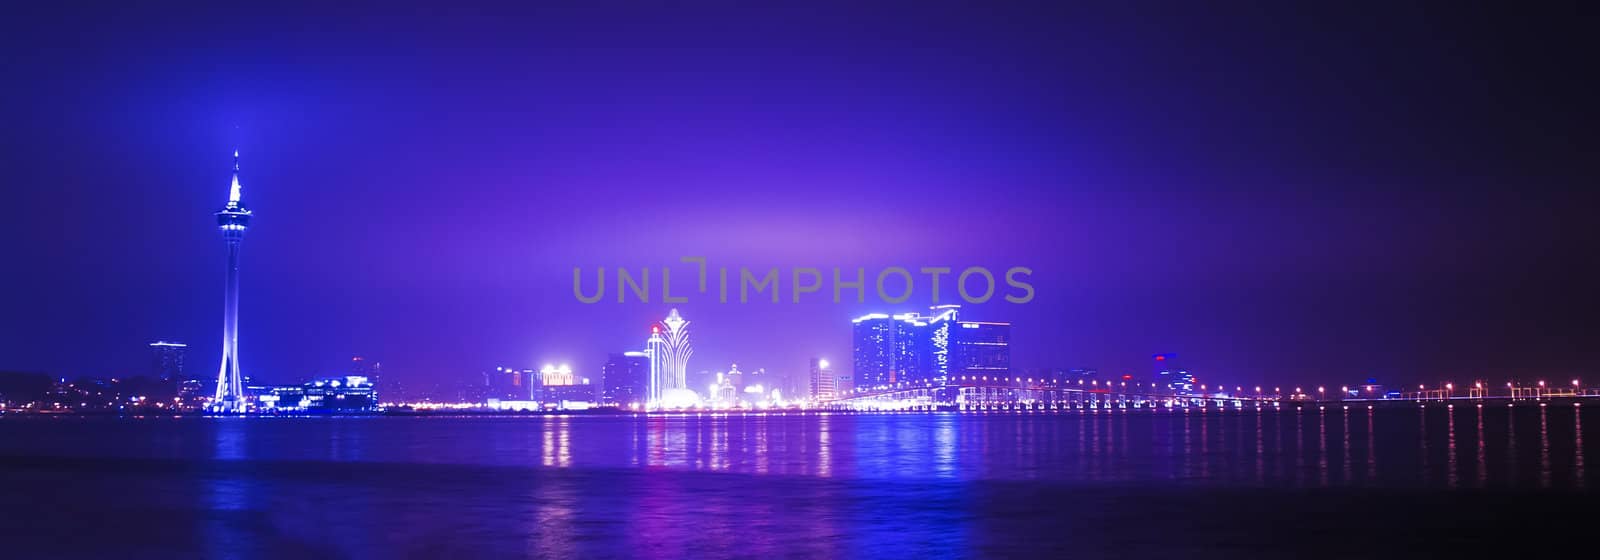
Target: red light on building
pixel 1161 358
pixel 1126 377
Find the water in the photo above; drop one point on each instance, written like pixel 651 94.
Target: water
pixel 1333 483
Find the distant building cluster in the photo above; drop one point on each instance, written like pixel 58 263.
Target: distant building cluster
pixel 932 349
pixel 349 393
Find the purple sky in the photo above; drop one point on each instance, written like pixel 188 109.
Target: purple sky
pixel 1277 197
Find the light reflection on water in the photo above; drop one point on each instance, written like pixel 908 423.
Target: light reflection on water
pixel 1415 447
pixel 839 485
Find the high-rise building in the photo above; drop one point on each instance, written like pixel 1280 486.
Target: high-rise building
pixel 1169 375
pixel 558 386
pixel 824 383
pixel 891 349
pixel 940 339
pixel 669 351
pixel 728 387
pixel 372 370
pixel 873 351
pixel 625 379
pixel 981 348
pixel 735 378
pixel 555 375
pixel 758 386
pixel 166 362
pixel 910 347
pixel 232 220
pixel 510 384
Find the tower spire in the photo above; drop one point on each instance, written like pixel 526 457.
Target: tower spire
pixel 233 190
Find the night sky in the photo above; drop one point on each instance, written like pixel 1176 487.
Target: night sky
pixel 1277 197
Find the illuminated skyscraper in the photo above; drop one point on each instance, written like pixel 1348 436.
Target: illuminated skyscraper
pixel 167 360
pixel 1169 375
pixel 558 387
pixel 981 348
pixel 914 348
pixel 655 348
pixel 669 351
pixel 555 375
pixel 873 350
pixel 232 220
pixel 824 384
pixel 625 379
pixel 510 384
pixel 360 366
pixel 891 349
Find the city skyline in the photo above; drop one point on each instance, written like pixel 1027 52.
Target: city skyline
pixel 669 338
pixel 233 220
pixel 798 279
pixel 1166 198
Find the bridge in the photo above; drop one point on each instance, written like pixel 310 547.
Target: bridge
pixel 1003 393
pixel 984 392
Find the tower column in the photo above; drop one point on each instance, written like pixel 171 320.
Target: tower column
pixel 232 221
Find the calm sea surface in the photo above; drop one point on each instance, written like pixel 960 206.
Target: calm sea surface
pixel 1136 484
